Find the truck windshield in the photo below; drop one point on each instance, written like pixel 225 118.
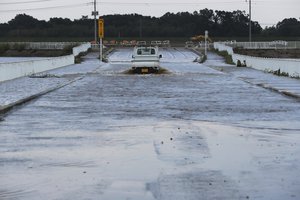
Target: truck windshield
pixel 146 51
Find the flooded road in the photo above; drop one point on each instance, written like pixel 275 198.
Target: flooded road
pixel 196 133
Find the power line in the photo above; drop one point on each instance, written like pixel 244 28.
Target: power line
pixel 103 3
pixel 95 13
pixel 257 3
pixel 165 3
pixel 48 8
pixel 143 3
pixel 250 28
pixel 137 3
pixel 25 2
pixel 174 3
pixel 90 3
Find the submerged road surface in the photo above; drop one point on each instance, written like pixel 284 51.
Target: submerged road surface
pixel 199 132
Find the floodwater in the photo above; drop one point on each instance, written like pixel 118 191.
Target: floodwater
pixel 196 133
pixel 19 59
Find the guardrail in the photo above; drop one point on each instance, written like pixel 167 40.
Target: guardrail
pixel 290 66
pixel 132 43
pixel 280 44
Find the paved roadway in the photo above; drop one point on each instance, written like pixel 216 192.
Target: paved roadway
pixel 199 132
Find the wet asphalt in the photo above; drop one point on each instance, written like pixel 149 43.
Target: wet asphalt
pixel 194 133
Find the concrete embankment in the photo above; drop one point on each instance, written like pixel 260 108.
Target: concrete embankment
pixel 14 70
pixel 290 66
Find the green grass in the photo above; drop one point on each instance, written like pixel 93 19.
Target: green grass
pixel 45 39
pixel 279 73
pixel 68 49
pixel 226 56
pixel 4 48
pixel 204 58
pixel 19 49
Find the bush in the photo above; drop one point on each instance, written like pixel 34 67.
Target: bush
pixel 19 47
pixel 68 49
pixel 4 48
pixel 204 58
pixel 280 73
pixel 226 56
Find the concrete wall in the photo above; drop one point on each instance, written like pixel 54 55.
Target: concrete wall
pixel 222 47
pixel 14 70
pixel 81 48
pixel 290 66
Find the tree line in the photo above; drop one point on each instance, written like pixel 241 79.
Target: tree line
pixel 181 24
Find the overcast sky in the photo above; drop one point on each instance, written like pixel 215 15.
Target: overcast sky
pixel 266 12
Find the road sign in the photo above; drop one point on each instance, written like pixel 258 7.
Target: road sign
pixel 95 13
pixel 101 28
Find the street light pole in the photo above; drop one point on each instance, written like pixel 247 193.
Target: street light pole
pixel 95 13
pixel 250 31
pixel 250 24
pixel 206 36
pixel 141 27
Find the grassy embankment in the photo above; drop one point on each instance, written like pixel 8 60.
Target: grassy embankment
pixel 17 50
pixel 226 56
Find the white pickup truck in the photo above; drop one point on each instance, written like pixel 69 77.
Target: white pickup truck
pixel 145 60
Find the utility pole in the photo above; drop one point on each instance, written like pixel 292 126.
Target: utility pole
pixel 141 27
pixel 95 14
pixel 250 31
pixel 101 35
pixel 206 37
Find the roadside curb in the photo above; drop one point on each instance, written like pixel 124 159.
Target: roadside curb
pixel 6 108
pixel 109 51
pixel 106 53
pixel 195 51
pixel 268 87
pixel 287 93
pixel 200 54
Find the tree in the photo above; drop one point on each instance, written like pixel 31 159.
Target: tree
pixel 288 27
pixel 182 24
pixel 23 21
